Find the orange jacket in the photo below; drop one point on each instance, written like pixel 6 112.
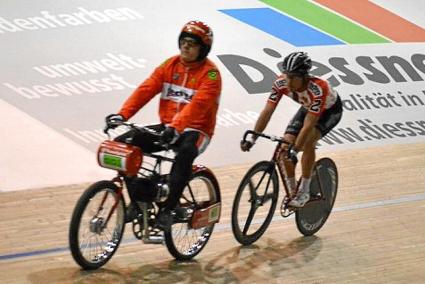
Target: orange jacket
pixel 190 94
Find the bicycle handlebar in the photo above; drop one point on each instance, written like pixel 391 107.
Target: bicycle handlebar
pixel 116 123
pixel 130 125
pixel 270 137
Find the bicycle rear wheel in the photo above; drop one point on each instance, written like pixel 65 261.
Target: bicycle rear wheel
pixel 314 214
pixel 97 225
pixel 183 241
pixel 255 202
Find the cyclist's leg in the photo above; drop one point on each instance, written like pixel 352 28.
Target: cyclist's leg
pixel 288 166
pixel 330 118
pixel 327 121
pixel 291 133
pixel 190 144
pixel 307 161
pixel 146 142
pixel 309 153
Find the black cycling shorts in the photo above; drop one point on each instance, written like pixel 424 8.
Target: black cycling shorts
pixel 328 119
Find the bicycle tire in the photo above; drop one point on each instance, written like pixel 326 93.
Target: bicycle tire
pixel 311 218
pixel 265 168
pixel 77 244
pixel 193 246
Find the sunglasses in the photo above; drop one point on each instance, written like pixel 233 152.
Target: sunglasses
pixel 189 41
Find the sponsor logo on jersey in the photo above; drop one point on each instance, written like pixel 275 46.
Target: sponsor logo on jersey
pixel 177 93
pixel 314 89
pixel 281 83
pixel 273 96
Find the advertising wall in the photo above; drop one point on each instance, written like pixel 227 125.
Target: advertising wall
pixel 65 65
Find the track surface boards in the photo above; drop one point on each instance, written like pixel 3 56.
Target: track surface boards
pixel 376 234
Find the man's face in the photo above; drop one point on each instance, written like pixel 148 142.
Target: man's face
pixel 189 49
pixel 295 82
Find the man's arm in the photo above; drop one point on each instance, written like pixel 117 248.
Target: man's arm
pixel 264 117
pixel 260 125
pixel 143 94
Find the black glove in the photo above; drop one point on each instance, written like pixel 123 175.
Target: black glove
pixel 291 154
pixel 113 120
pixel 169 135
pixel 246 145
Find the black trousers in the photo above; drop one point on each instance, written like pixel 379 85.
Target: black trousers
pixel 181 170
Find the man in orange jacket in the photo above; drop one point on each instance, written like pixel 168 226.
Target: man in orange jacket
pixel 190 87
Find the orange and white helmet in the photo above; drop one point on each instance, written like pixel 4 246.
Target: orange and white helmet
pixel 200 32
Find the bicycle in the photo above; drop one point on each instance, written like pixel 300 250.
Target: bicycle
pixel 99 217
pixel 260 188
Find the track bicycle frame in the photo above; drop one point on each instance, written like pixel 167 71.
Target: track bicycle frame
pixel 276 161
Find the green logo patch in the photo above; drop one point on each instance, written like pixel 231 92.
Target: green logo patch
pixel 212 74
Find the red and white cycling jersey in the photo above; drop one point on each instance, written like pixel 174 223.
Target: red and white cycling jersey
pixel 318 97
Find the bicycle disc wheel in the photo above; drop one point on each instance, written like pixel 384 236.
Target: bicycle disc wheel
pixel 93 238
pixel 314 214
pixel 183 241
pixel 255 202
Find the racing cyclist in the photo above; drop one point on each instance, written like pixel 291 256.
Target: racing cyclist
pixel 320 111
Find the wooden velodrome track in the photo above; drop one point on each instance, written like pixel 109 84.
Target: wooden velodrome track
pixel 376 234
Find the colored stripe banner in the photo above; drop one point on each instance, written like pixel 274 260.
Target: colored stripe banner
pixel 282 27
pixel 326 21
pixel 378 19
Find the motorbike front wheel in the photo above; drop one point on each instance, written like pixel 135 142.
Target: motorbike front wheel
pixel 97 225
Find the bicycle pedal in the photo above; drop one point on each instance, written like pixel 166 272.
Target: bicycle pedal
pixel 286 210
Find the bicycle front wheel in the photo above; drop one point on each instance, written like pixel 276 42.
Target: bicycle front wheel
pixel 97 225
pixel 183 241
pixel 323 190
pixel 255 202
